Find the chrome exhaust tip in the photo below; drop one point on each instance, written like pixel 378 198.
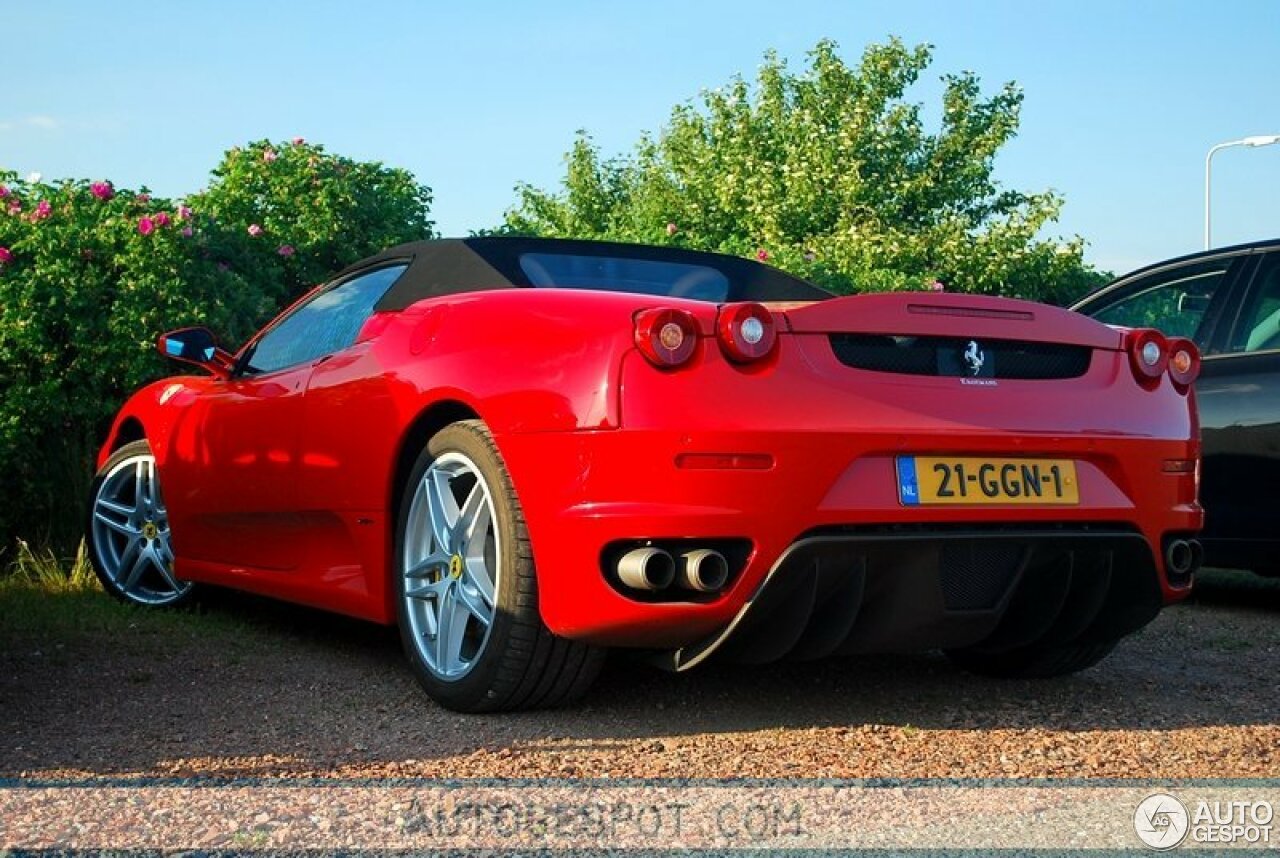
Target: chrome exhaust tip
pixel 1182 556
pixel 703 570
pixel 647 569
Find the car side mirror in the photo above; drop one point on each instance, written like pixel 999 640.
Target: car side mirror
pixel 196 346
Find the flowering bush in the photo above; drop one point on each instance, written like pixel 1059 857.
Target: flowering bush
pixel 91 273
pixel 310 213
pixel 830 174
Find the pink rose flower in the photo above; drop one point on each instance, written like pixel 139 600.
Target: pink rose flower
pixel 14 207
pixel 102 190
pixel 762 254
pixel 143 198
pixel 146 225
pixel 937 286
pixel 269 155
pixel 43 210
pixel 187 232
pixel 6 255
pixel 672 229
pixel 4 191
pixel 298 141
pixel 255 230
pixel 285 250
pixel 184 213
pixel 161 218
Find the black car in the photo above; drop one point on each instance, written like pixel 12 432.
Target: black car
pixel 1228 301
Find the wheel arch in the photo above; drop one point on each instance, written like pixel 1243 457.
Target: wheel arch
pixel 429 421
pixel 129 430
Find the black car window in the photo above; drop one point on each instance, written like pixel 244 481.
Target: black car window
pixel 327 323
pixel 1259 328
pixel 1174 302
pixel 623 274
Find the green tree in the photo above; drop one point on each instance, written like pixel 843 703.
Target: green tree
pixel 830 174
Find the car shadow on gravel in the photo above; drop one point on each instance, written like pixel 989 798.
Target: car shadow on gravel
pixel 299 691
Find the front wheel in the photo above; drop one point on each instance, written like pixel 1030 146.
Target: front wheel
pixel 128 530
pixel 467 592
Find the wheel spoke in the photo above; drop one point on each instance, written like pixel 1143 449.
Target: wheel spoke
pixel 426 590
pixel 114 506
pixel 153 487
pixel 474 604
pixel 453 626
pixel 135 572
pixel 441 507
pixel 473 515
pixel 423 567
pixel 478 575
pixel 167 574
pixel 118 526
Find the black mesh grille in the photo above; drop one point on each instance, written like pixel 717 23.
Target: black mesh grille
pixel 946 356
pixel 975 576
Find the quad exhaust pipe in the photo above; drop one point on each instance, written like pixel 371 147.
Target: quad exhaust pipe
pixel 652 569
pixel 1183 557
pixel 647 569
pixel 703 570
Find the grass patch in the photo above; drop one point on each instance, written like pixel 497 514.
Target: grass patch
pixel 44 597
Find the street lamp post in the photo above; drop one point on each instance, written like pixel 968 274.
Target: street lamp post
pixel 1257 140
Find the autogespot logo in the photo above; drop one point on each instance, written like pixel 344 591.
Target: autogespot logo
pixel 1161 821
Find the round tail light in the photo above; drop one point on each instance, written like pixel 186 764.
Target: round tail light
pixel 666 337
pixel 1149 354
pixel 747 332
pixel 1184 362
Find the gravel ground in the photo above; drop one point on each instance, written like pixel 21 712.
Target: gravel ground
pixel 299 693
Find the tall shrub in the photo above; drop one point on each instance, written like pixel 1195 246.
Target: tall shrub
pixel 90 274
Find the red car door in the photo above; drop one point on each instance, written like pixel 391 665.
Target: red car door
pixel 230 478
pixel 233 482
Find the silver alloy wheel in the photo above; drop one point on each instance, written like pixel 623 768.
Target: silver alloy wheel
pixel 131 533
pixel 451 553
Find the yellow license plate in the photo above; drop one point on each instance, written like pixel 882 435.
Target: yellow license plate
pixel 978 480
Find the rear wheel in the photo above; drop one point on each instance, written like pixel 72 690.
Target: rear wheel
pixel 1033 662
pixel 467 592
pixel 128 530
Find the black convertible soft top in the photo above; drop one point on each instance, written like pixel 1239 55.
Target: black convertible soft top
pixel 450 266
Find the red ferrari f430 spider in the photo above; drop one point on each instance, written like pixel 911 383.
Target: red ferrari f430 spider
pixel 524 452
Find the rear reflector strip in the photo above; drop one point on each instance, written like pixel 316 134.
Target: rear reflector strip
pixel 970 312
pixel 725 461
pixel 1179 466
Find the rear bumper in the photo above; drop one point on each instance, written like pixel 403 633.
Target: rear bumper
pixel 582 491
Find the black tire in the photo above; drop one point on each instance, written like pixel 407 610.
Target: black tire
pixel 1033 662
pixel 106 546
pixel 521 664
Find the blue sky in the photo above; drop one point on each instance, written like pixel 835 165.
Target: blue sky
pixel 1123 99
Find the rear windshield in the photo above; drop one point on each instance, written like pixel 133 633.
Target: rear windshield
pixel 620 274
